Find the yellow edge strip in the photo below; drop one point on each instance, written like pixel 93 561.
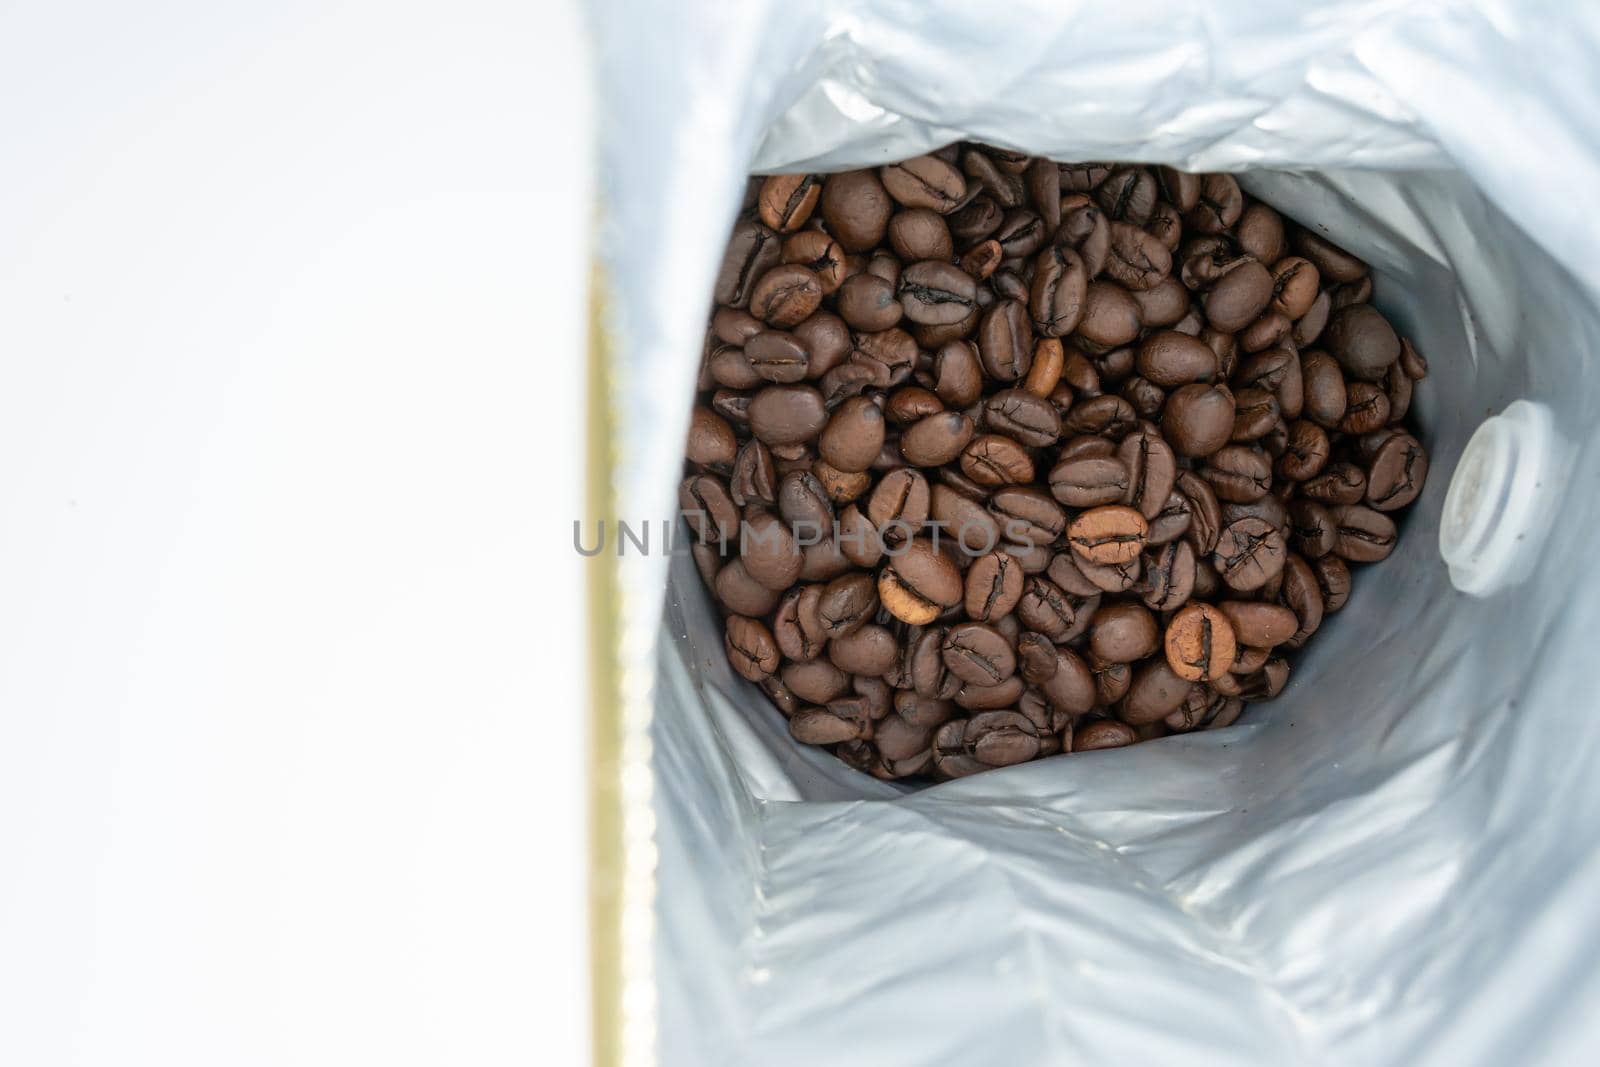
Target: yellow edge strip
pixel 606 853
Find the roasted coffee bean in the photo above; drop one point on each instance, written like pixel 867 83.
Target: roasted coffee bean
pixel 1070 687
pixel 918 234
pixel 1116 365
pixel 1152 471
pixel 975 697
pixel 787 414
pixel 1172 521
pixel 1085 229
pixel 1049 357
pixel 1412 361
pixel 1164 304
pixel 804 504
pixel 731 367
pixel 1156 691
pixel 868 650
pixel 1249 554
pixel 1219 206
pixel 1200 644
pixel 965 521
pixel 711 440
pixel 1170 359
pixel 1027 419
pixel 787 200
pixel 785 295
pixel 1335 265
pixel 1324 389
pixel 1108 535
pixel 1028 516
pixel 1089 481
pixel 1102 733
pixel 846 604
pixel 937 293
pixel 777 356
pixel 1004 185
pixel 957 373
pixel 1362 534
pixel 1295 283
pixel 1238 296
pixel 1005 341
pixel 1255 413
pixel 994 460
pixel 1136 260
pixel 854 434
pixel 1367 408
pixel 1048 609
pixel 769 551
pixel 1110 416
pixel 820 726
pixel 1268 508
pixel 1311 529
pixel 1002 738
pixel 856 208
pixel 1036 657
pixel 1399 389
pixel 751 649
pixel 868 302
pixel 1260 625
pixel 1110 316
pixel 742 594
pixel 1333 578
pixel 1059 291
pixel 1260 233
pixel 1145 397
pixel 752 251
pixel 1239 473
pixel 936 439
pixel 821 253
pixel 979 654
pixel 1114 577
pixel 976 220
pixel 841 486
pixel 919 583
pixel 899 504
pixel 1265 332
pixel 1064 570
pixel 1339 483
pixel 797 627
pixel 735 327
pixel 1363 342
pixel 927 182
pixel 950 757
pixel 1205 512
pixel 1396 473
pixel 993 587
pixel 1301 595
pixel 1128 194
pixel 1267 682
pixel 1169 576
pixel 1123 632
pixel 1306 452
pixel 1198 419
pixel 709 509
pixel 822 561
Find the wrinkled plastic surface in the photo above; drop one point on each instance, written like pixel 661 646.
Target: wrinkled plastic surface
pixel 1395 862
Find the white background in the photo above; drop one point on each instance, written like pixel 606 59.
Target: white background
pixel 291 708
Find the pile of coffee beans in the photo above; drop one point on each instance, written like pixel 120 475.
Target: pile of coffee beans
pixel 997 458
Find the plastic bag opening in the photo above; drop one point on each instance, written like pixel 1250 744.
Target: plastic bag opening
pixel 1389 863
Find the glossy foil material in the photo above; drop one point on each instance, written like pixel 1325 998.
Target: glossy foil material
pixel 1397 861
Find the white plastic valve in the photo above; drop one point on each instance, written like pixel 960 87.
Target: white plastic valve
pixel 1502 499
